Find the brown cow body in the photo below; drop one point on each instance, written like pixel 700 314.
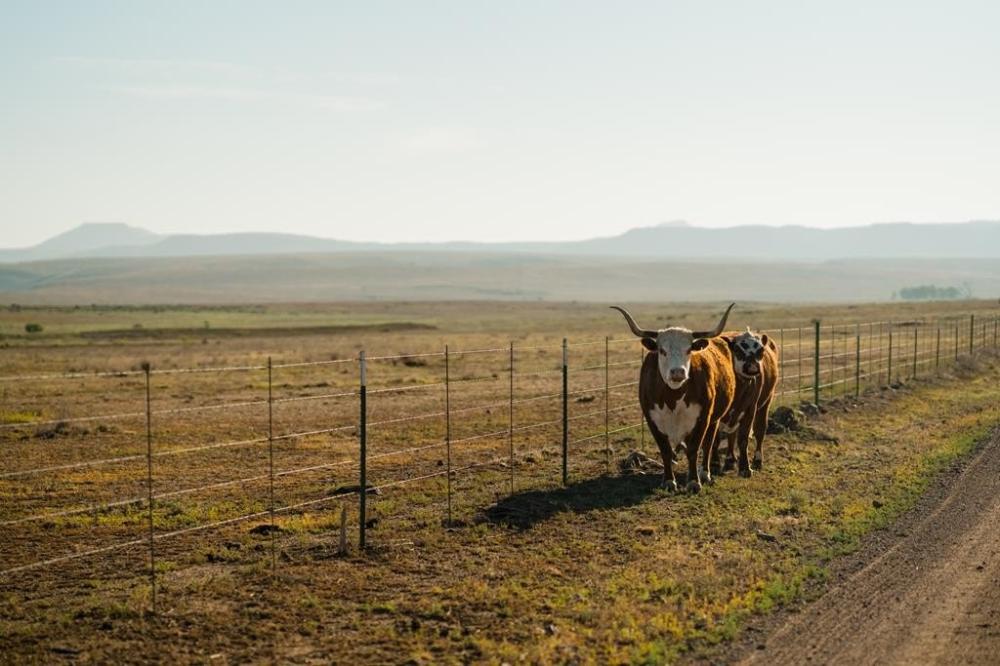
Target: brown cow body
pixel 748 414
pixel 688 417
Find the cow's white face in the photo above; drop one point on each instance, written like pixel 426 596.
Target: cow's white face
pixel 673 349
pixel 748 350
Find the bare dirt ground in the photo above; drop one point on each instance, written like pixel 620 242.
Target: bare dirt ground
pixel 926 590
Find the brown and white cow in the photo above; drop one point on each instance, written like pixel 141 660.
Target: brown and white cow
pixel 685 387
pixel 755 363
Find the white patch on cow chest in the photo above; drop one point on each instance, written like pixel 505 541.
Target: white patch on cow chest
pixel 676 423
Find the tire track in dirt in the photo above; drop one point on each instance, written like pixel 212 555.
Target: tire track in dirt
pixel 931 596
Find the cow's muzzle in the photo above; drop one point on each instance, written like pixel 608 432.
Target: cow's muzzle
pixel 677 375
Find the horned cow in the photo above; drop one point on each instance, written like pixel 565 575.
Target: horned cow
pixel 685 386
pixel 755 364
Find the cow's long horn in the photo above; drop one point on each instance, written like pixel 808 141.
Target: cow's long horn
pixel 640 332
pixel 718 329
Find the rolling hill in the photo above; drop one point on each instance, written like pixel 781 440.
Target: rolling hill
pixel 675 240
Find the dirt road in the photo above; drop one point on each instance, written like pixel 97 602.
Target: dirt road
pixel 925 592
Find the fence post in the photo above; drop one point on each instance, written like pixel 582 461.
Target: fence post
pixel 937 351
pixel 956 343
pixel 857 363
pixel 798 380
pixel 447 426
pixel 781 361
pixel 816 364
pixel 871 352
pixel 146 368
pixel 915 329
pixel 995 327
pixel 607 410
pixel 565 413
pixel 890 355
pixel 642 417
pixel 363 457
pixel 270 462
pixel 972 333
pixel 510 419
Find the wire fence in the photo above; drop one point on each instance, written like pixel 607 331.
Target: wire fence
pixel 456 412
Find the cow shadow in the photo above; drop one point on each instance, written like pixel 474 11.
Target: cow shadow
pixel 525 509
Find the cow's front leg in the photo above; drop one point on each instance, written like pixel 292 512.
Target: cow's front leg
pixel 695 441
pixel 666 453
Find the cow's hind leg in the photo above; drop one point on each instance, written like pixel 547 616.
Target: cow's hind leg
pixel 708 455
pixel 759 431
pixel 716 453
pixel 730 451
pixel 743 435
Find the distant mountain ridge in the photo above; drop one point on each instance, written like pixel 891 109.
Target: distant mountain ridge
pixel 673 240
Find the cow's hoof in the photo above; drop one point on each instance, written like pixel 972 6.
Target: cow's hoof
pixel 704 475
pixel 670 486
pixel 746 472
pixel 758 464
pixel 693 487
pixel 730 465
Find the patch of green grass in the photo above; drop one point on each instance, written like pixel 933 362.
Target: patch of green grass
pixel 19 417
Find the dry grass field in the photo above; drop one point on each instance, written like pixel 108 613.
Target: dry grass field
pixel 608 568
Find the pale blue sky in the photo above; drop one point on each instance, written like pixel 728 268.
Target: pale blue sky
pixel 495 120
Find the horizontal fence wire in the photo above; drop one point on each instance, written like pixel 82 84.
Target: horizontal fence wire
pixel 174 533
pixel 848 355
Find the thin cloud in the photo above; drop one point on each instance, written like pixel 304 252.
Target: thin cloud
pixel 446 140
pixel 162 65
pixel 251 96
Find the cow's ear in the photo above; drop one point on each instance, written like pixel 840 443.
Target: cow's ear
pixel 728 339
pixel 763 339
pixel 699 344
pixel 649 344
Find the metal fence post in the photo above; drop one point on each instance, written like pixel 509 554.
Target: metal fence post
pixel 871 352
pixel 956 343
pixel 607 410
pixel 363 456
pixel 857 364
pixel 816 364
pixel 447 426
pixel 889 382
pixel 915 329
pixel 781 361
pixel 995 328
pixel 146 368
pixel 798 380
pixel 937 350
pixel 642 417
pixel 510 419
pixel 972 333
pixel 565 413
pixel 270 462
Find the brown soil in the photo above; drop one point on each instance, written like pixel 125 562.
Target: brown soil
pixel 927 590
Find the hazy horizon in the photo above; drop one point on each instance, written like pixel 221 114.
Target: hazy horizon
pixel 672 223
pixel 460 121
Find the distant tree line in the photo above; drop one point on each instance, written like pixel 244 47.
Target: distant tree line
pixel 930 292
